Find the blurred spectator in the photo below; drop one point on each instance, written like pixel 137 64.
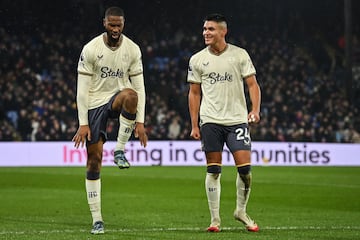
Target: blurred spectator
pixel 300 72
pixel 174 128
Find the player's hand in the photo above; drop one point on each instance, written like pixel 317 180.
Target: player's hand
pixel 195 133
pixel 82 134
pixel 140 133
pixel 253 117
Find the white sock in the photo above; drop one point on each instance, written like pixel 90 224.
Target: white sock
pixel 243 184
pixel 125 130
pixel 213 190
pixel 93 190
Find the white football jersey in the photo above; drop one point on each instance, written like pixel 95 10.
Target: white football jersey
pixel 222 84
pixel 109 69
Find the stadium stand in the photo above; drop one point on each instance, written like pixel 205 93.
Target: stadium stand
pixel 299 61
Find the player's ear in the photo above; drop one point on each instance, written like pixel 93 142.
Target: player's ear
pixel 104 22
pixel 225 30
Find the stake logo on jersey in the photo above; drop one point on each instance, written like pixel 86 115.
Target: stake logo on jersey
pixel 217 77
pixel 108 72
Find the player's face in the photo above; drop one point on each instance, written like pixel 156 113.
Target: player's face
pixel 213 32
pixel 114 26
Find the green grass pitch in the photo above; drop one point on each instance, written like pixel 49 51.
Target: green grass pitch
pixel 170 203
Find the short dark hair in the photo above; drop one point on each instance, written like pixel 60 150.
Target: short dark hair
pixel 216 17
pixel 114 11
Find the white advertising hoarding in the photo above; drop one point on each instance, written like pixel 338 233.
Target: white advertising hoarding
pixel 180 153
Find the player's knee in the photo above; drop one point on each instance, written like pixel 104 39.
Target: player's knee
pixel 131 100
pixel 215 169
pixel 132 96
pixel 244 170
pixel 92 175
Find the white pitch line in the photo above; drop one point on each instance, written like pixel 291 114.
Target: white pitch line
pixel 181 229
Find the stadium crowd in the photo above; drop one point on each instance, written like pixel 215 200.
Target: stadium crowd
pixel 300 68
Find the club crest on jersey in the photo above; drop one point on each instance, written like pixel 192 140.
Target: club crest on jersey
pixel 217 77
pixel 231 60
pixel 125 57
pixel 108 72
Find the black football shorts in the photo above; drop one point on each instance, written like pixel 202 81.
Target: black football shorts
pixel 98 118
pixel 214 136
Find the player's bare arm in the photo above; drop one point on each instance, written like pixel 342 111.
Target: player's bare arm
pixel 194 108
pixel 255 97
